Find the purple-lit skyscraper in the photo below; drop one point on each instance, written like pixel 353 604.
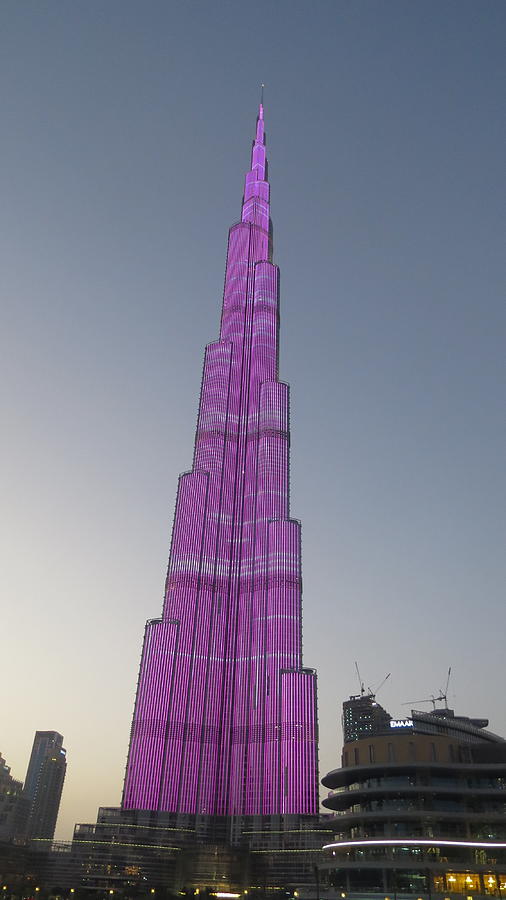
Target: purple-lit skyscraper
pixel 225 715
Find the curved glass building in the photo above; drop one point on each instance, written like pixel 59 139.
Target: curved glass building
pixel 420 810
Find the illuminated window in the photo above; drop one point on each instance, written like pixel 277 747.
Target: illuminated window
pixel 463 882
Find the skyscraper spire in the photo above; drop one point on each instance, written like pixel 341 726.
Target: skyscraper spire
pixel 255 208
pixel 225 716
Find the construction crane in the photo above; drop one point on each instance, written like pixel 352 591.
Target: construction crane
pixel 374 691
pixel 361 683
pixel 443 695
pixel 371 692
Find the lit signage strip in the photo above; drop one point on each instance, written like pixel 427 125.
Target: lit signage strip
pixel 401 723
pixel 397 842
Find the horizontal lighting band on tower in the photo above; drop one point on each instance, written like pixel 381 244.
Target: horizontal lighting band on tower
pixel 294 831
pixel 125 825
pixel 120 844
pixel 411 842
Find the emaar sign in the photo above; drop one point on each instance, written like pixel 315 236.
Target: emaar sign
pixel 401 723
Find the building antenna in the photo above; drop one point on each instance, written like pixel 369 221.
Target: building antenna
pixel 262 94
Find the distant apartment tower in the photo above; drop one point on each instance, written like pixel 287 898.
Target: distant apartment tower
pixel 44 783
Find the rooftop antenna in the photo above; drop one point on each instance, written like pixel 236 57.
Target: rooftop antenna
pixel 262 94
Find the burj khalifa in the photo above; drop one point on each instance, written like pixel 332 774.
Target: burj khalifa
pixel 225 718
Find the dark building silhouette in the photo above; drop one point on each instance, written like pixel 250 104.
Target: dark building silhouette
pixel 420 809
pixel 11 804
pixel 44 783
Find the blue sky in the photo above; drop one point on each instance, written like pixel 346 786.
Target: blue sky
pixel 126 129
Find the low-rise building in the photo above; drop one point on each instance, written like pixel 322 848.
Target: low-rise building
pixel 420 810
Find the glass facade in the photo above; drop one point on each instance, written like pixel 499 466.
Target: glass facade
pixel 419 819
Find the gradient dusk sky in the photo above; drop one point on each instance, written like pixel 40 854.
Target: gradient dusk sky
pixel 126 131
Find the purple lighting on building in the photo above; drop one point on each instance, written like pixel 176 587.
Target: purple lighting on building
pixel 225 716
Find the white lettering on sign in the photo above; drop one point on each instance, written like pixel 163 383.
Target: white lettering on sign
pixel 401 723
